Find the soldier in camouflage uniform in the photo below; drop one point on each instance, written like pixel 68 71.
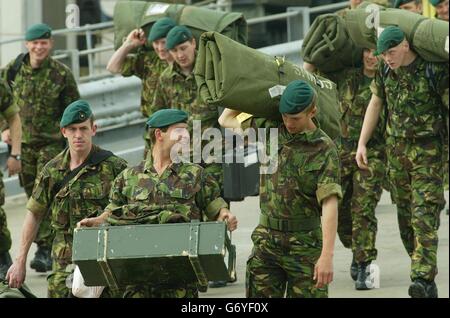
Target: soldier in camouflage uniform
pixel 161 191
pixel 362 189
pixel 441 7
pixel 42 88
pixel 289 253
pixel 178 89
pixel 416 110
pixel 147 64
pixel 10 112
pixel 73 185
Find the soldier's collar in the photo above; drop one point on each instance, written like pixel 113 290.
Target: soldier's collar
pixel 44 64
pixel 65 162
pixel 148 166
pixel 309 136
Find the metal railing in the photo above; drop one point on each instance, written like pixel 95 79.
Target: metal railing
pixel 297 18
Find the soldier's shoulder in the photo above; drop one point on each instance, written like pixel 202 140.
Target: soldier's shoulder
pixel 115 163
pixel 52 166
pixel 60 67
pixel 325 140
pixel 118 160
pixel 191 168
pixel 135 170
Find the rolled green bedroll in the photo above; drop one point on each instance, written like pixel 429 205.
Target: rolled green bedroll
pixel 232 75
pixel 328 45
pixel 129 15
pixel 428 37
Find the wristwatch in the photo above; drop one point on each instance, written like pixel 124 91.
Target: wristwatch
pixel 17 157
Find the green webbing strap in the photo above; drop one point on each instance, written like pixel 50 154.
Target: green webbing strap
pixel 328 41
pixel 289 225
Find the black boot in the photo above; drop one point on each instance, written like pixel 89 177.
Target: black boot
pixel 360 283
pixel 5 263
pixel 421 288
pixel 42 260
pixel 354 269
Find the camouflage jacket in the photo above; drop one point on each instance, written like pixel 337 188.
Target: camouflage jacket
pixel 308 172
pixel 7 107
pixel 140 196
pixel 414 108
pixel 354 97
pixel 42 94
pixel 180 91
pixel 83 196
pixel 146 65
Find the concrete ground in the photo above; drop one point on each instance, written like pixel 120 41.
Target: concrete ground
pixel 392 260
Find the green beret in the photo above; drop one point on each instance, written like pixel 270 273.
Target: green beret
pixel 399 3
pixel 38 31
pixel 166 117
pixel 435 2
pixel 297 96
pixel 160 29
pixel 178 35
pixel 390 37
pixel 77 112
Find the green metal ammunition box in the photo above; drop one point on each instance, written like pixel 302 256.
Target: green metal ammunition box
pixel 157 254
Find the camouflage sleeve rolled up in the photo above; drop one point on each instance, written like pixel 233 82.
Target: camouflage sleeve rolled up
pixel 130 66
pixel 208 198
pixel 377 86
pixel 7 107
pixel 330 176
pixel 40 200
pixel 70 92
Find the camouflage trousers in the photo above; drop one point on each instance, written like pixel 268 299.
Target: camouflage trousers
pixel 446 172
pixel 282 264
pixel 5 235
pixel 361 189
pixel 33 160
pixel 415 170
pixel 146 291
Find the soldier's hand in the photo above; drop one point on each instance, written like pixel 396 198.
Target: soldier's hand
pixel 6 136
pixel 14 166
pixel 91 222
pixel 16 275
pixel 226 215
pixel 323 271
pixel 136 38
pixel 361 157
pixel 309 67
